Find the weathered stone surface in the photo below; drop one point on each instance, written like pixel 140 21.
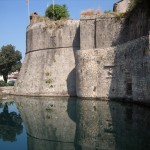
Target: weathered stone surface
pixel 40 36
pixel 48 68
pixel 87 33
pixel 115 72
pixel 112 61
pixel 111 30
pixel 121 6
pixel 7 90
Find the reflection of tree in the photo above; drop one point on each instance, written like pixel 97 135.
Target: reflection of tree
pixel 10 124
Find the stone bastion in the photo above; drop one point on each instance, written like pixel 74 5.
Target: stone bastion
pixel 49 65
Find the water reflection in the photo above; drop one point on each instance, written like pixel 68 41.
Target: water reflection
pixel 10 123
pixel 112 126
pixel 94 125
pixel 61 123
pixel 49 122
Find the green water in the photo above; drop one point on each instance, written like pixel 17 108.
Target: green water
pixel 62 123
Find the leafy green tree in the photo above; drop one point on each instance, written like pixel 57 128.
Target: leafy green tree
pixel 57 12
pixel 10 60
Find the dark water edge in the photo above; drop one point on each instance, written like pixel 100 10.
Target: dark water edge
pixel 65 123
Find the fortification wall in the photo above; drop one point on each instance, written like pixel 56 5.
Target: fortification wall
pixel 116 63
pixel 49 65
pixel 111 30
pixel 115 72
pixel 98 56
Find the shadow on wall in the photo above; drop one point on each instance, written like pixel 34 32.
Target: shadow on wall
pixel 130 79
pixel 131 63
pixel 71 79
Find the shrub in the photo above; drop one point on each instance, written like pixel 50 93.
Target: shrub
pixel 10 83
pixel 109 12
pixel 91 12
pixel 2 83
pixel 88 12
pixel 59 12
pixel 98 12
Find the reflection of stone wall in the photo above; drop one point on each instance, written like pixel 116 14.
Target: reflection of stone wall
pixel 74 124
pixel 112 126
pixel 48 68
pixel 94 125
pixel 48 118
pixel 37 144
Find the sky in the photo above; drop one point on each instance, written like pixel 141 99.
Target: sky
pixel 14 17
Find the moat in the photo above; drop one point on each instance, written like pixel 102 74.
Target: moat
pixel 64 123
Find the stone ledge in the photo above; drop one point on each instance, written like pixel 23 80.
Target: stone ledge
pixel 9 90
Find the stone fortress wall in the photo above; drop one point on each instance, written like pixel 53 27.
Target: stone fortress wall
pixel 115 62
pixel 49 65
pixel 99 56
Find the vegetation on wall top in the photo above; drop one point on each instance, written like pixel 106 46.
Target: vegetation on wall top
pixel 57 12
pixel 91 12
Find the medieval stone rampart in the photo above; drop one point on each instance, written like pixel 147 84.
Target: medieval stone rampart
pixel 49 65
pixel 115 63
pixel 98 56
pixel 109 72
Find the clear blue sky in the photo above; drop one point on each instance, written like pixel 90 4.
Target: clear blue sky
pixel 14 16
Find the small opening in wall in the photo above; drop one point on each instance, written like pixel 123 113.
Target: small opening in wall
pixel 129 88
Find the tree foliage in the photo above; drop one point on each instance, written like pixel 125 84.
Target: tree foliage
pixel 10 60
pixel 59 12
pixel 10 124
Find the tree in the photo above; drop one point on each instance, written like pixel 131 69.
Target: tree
pixel 10 124
pixel 10 60
pixel 59 12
